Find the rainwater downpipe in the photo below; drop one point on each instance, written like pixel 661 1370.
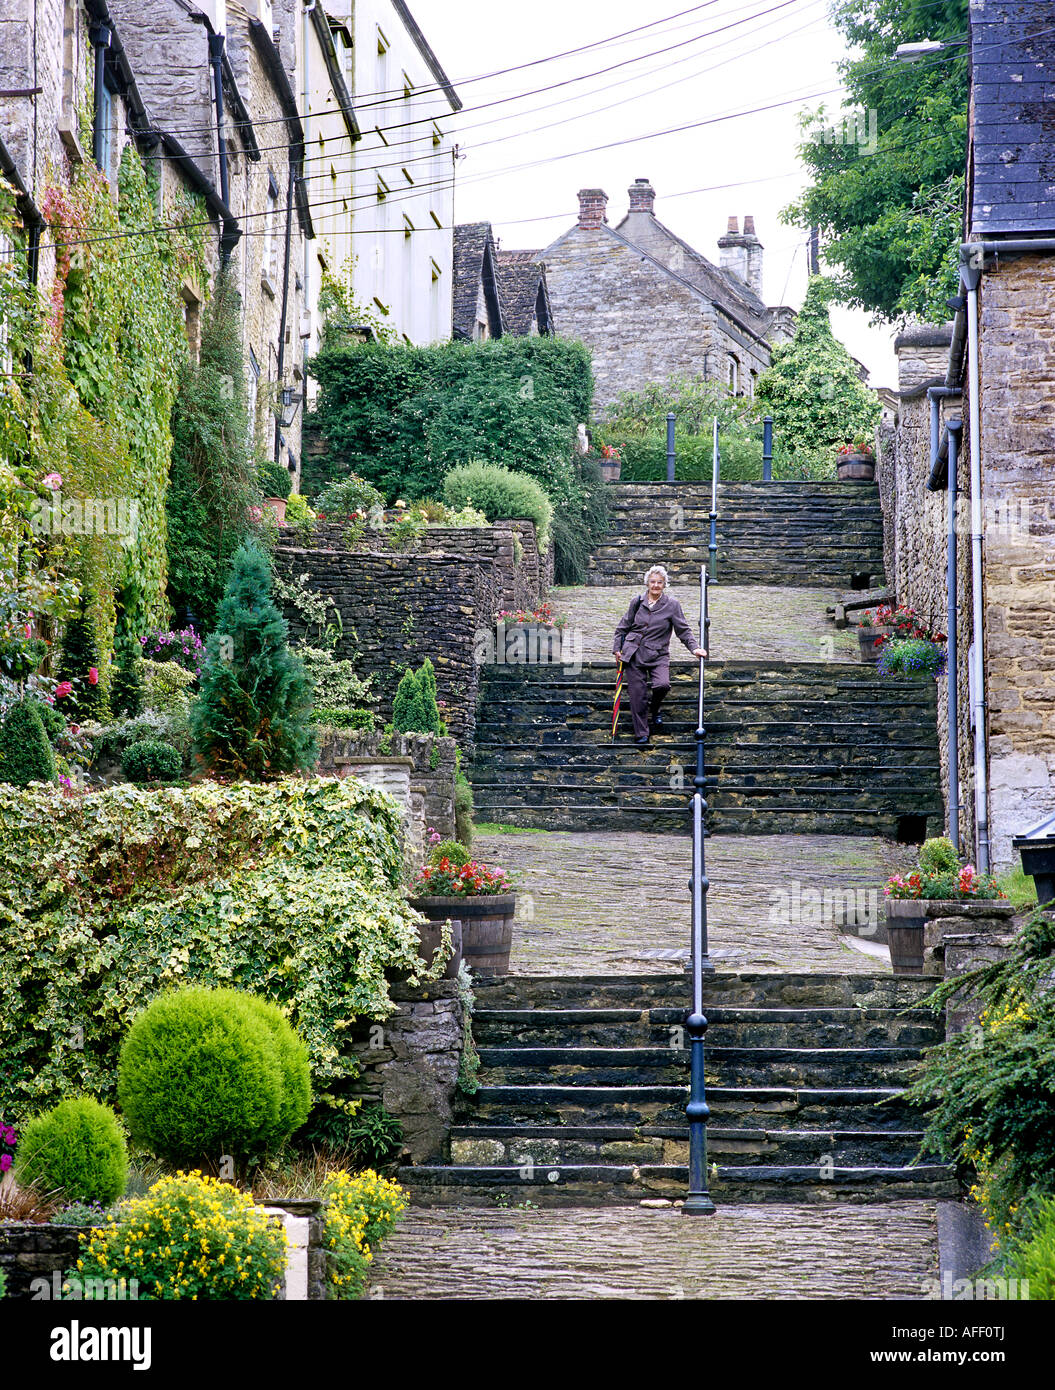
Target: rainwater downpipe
pixel 216 59
pixel 100 39
pixel 935 395
pixel 971 275
pixel 308 299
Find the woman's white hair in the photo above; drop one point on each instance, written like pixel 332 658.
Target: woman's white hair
pixel 656 569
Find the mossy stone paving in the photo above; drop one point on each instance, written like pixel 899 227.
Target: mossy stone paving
pixel 758 622
pixel 618 903
pixel 770 1252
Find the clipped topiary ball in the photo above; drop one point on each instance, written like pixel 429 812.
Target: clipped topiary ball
pixel 25 752
pixel 201 1076
pixel 77 1148
pixel 453 850
pixel 150 760
pixel 293 1061
pixel 939 856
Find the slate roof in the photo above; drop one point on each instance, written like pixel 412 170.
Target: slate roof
pixel 523 291
pixel 1012 136
pixel 475 259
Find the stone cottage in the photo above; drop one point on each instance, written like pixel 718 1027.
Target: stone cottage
pixel 985 385
pixel 496 292
pixel 649 306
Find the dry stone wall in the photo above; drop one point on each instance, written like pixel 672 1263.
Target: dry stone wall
pixel 398 609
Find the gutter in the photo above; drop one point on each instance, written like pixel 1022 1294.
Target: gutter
pixel 321 26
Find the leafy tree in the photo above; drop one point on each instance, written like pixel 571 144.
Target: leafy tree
pixel 253 716
pixel 213 477
pixel 812 389
pixel 890 210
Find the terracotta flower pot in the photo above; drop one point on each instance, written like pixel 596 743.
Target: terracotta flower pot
pixel 278 506
pixel 487 927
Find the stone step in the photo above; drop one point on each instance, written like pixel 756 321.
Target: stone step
pixel 739 990
pixel 738 1107
pixel 752 820
pixel 519 1145
pixel 728 1026
pixel 602 1184
pixel 592 781
pixel 725 1066
pixel 821 798
pixel 727 756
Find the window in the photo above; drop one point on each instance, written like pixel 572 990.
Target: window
pixel 106 117
pixel 269 265
pixel 254 378
pixel 191 318
pixel 733 375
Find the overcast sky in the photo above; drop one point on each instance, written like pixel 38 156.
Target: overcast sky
pixel 526 159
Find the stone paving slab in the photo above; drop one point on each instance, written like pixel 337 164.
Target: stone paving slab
pixel 758 622
pixel 618 903
pixel 885 1251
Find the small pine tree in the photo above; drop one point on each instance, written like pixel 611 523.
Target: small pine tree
pixel 406 707
pixel 25 753
pixel 252 718
pixel 80 653
pixel 126 685
pixel 430 708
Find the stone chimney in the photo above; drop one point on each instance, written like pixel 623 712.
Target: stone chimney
pixel 642 196
pixel 592 203
pixel 741 253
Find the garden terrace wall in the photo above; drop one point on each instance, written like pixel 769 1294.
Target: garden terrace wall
pixel 410 1064
pixel 522 584
pixel 392 775
pixel 398 609
pixel 357 753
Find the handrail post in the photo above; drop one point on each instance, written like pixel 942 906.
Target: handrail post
pixel 670 446
pixel 698 1201
pixel 767 449
pixel 713 547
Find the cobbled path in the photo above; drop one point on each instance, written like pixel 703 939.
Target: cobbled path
pixel 597 904
pixel 769 1252
pixel 748 623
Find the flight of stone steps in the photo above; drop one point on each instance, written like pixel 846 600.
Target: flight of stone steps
pixel 805 748
pixel 812 535
pixel 584 1082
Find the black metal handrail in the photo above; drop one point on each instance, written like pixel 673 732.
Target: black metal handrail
pixel 713 547
pixel 699 1200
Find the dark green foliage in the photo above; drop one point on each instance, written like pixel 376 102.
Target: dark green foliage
pixel 500 493
pixel 25 753
pixel 80 653
pixel 402 417
pixel 78 1149
pixel 1032 1257
pixel 212 478
pixel 579 525
pixel 991 1090
pixel 891 213
pixel 414 708
pixel 253 715
pixel 126 681
pixel 201 1075
pixel 350 494
pixel 938 855
pixel 463 808
pixel 345 718
pixel 375 1136
pixel 274 480
pixel 150 760
pixel 53 722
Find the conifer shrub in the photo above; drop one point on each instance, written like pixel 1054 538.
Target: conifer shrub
pixel 80 656
pixel 205 1073
pixel 150 760
pixel 76 1148
pixel 252 718
pixel 25 752
pixel 414 708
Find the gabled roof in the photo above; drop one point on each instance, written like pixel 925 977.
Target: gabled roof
pixel 1012 145
pixel 421 43
pixel 475 262
pixel 524 292
pixel 726 290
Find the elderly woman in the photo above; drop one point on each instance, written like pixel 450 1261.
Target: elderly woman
pixel 642 643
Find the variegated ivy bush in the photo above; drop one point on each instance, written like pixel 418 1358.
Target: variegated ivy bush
pixel 289 890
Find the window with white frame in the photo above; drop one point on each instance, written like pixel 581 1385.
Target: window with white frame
pixel 269 264
pixel 732 375
pixel 252 385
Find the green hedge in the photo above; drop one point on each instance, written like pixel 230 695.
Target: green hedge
pixel 288 890
pixel 645 460
pixel 402 417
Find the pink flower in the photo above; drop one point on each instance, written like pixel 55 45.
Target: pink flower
pixel 53 480
pixel 63 689
pixel 5 1162
pixel 93 675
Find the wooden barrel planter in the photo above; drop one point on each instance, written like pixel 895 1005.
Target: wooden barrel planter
pixel 856 468
pixel 438 911
pixel 487 927
pixel 906 920
pixel 869 640
pixel 909 936
pixel 610 471
pixel 535 643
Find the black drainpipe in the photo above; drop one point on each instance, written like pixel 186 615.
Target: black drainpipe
pixel 285 305
pixel 216 59
pixel 100 38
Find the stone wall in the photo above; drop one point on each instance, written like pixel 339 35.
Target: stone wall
pixel 398 609
pixel 914 526
pixel 410 1064
pixel 409 762
pixel 1018 498
pixel 522 583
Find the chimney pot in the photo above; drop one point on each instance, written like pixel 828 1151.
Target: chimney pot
pixel 749 225
pixel 592 204
pixel 733 229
